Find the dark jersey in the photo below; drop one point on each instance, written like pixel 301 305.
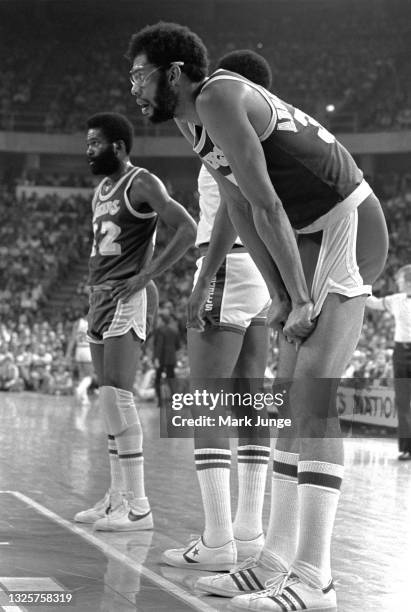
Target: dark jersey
pixel 123 237
pixel 309 169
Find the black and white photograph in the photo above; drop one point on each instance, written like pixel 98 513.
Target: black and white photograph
pixel 205 305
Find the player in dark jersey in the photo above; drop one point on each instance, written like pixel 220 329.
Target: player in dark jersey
pixel 125 208
pixel 279 171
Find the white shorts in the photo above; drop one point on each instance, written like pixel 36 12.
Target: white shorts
pixel 238 295
pixel 82 354
pixel 347 256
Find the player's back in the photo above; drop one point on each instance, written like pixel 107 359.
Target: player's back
pixel 310 170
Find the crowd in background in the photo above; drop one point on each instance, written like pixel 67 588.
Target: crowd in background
pixel 79 68
pixel 41 238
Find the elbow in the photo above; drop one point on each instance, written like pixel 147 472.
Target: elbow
pixel 267 210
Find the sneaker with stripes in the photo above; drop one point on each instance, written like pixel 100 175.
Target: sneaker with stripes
pixel 287 592
pixel 249 577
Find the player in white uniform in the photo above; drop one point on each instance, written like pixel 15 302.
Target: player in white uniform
pixel 233 344
pixel 399 306
pixel 81 358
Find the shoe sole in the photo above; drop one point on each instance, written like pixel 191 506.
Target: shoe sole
pixel 132 527
pixel 128 528
pixel 233 608
pixel 85 521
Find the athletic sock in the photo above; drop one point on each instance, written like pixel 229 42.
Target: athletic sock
pixel 282 533
pixel 130 453
pixel 213 471
pixel 318 492
pixel 252 463
pixel 116 475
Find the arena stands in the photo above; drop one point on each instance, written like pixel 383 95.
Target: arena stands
pixel 78 67
pixel 43 237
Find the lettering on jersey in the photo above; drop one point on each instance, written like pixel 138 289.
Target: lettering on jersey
pixel 212 155
pixel 209 304
pixel 216 158
pixel 285 121
pixel 305 120
pixel 110 207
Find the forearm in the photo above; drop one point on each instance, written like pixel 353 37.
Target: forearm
pixel 274 229
pixel 222 238
pixel 242 218
pixel 183 238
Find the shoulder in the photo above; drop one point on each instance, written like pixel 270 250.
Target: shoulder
pixel 219 93
pixel 144 185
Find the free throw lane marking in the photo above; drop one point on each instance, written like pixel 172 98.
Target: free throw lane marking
pixel 112 552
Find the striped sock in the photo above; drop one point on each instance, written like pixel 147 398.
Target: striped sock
pixel 282 533
pixel 252 463
pixel 116 474
pixel 130 454
pixel 213 471
pixel 318 492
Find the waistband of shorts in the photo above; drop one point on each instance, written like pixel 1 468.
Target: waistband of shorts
pixel 101 287
pixel 236 248
pixel 341 210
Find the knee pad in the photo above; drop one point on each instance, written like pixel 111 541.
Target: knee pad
pixel 118 408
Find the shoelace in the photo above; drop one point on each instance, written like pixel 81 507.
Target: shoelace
pixel 194 538
pixel 275 586
pixel 246 564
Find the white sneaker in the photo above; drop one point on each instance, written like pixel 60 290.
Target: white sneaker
pixel 198 556
pixel 288 592
pixel 250 577
pixel 125 518
pixel 110 502
pixel 249 548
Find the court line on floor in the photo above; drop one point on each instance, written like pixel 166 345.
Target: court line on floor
pixel 109 550
pixel 6 608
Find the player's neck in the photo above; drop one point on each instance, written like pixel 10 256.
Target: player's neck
pixel 124 168
pixel 186 108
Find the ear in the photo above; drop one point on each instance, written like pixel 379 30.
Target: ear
pixel 174 74
pixel 118 146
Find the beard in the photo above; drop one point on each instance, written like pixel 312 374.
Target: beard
pixel 165 101
pixel 106 163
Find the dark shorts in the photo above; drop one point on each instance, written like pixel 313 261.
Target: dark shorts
pixel 110 318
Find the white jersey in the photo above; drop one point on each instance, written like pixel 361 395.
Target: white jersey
pixel 399 305
pixel 82 352
pixel 209 203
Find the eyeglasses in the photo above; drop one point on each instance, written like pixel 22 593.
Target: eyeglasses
pixel 138 76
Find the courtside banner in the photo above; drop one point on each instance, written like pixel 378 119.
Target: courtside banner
pixel 287 408
pixel 368 403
